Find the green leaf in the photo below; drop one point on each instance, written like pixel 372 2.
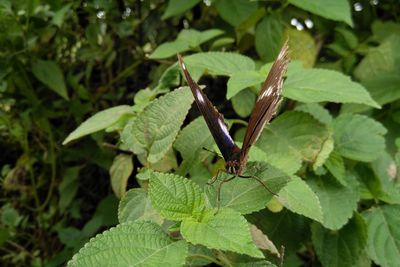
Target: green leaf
pixel 336 10
pixel 383 29
pixel 358 137
pixel 302 47
pixel 335 166
pixel 177 7
pixel 298 197
pixel 136 206
pixel 343 247
pixel 384 88
pixel 269 37
pixel 384 234
pixel 337 201
pixel 175 197
pixel 135 244
pixel 317 111
pixel 291 138
pixel 170 49
pixel 58 18
pixel 120 171
pixel 152 132
pixel 248 195
pixel 262 241
pixel 68 187
pixel 235 12
pixel 380 60
pixel 99 121
pixel 190 143
pixel 319 85
pixel 226 230
pixel 243 103
pixel 241 80
pixel 323 154
pixel 50 73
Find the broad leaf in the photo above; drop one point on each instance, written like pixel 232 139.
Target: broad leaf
pixel 68 188
pixel 337 201
pixel 339 10
pixel 317 111
pixel 269 37
pixel 384 88
pixel 384 235
pixel 335 166
pixel 190 143
pixel 235 12
pixel 302 47
pixel 243 103
pixel 226 230
pixel 99 121
pixel 240 80
pixel 152 132
pixel 247 195
pixel 343 247
pixel 175 197
pixel 50 73
pixel 131 244
pixel 177 7
pixel 120 171
pixel 319 85
pixel 298 197
pixel 136 206
pixel 358 137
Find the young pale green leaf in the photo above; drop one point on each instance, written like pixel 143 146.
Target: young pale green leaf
pixel 358 137
pixel 241 80
pixel 226 230
pixel 383 242
pixel 269 37
pixel 243 103
pixel 120 171
pixel 335 166
pixel 49 73
pixel 195 38
pixel 323 155
pixel 190 143
pixel 381 60
pixel 298 197
pixel 342 248
pixel 170 49
pixel 293 135
pixel 319 85
pixel 338 202
pixel 317 111
pixel 302 47
pixel 235 12
pixel 247 195
pixel 339 10
pixel 136 206
pixel 131 244
pixel 99 121
pixel 175 197
pixel 178 7
pixel 152 132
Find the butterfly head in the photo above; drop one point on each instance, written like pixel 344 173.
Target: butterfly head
pixel 233 164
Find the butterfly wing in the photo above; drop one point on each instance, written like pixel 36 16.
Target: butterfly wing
pixel 215 121
pixel 267 102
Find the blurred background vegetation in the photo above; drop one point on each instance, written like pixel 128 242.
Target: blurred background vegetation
pixel 63 61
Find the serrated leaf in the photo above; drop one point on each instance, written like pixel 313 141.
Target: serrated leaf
pixel 302 47
pixel 169 49
pixel 226 230
pixel 317 111
pixel 383 59
pixel 337 201
pixel 120 171
pixel 343 247
pixel 177 7
pixel 175 197
pixel 136 244
pixel 152 132
pixel 235 12
pixel 99 121
pixel 136 206
pixel 49 73
pixel 298 197
pixel 358 137
pixel 384 234
pixel 269 35
pixel 241 80
pixel 243 103
pixel 247 195
pixel 293 135
pixel 335 166
pixel 336 10
pixel 319 85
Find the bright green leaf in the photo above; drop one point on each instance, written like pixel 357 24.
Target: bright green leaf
pixel 170 49
pixel 99 121
pixel 235 12
pixel 243 103
pixel 336 167
pixel 269 37
pixel 241 80
pixel 120 171
pixel 317 111
pixel 302 47
pixel 131 244
pixel 226 230
pixel 177 7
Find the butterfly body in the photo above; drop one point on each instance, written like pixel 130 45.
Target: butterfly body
pixel 263 111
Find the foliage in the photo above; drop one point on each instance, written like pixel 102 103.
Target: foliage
pixel 108 70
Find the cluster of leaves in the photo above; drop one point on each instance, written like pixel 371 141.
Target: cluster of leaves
pixel 332 155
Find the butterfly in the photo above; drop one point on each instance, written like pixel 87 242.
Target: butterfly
pixel 264 109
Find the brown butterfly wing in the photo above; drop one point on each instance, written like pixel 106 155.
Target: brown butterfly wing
pixel 267 102
pixel 215 121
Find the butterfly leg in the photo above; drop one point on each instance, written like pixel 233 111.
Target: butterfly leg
pixel 215 177
pixel 261 182
pixel 219 191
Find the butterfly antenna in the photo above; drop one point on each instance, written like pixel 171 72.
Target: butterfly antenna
pixel 213 152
